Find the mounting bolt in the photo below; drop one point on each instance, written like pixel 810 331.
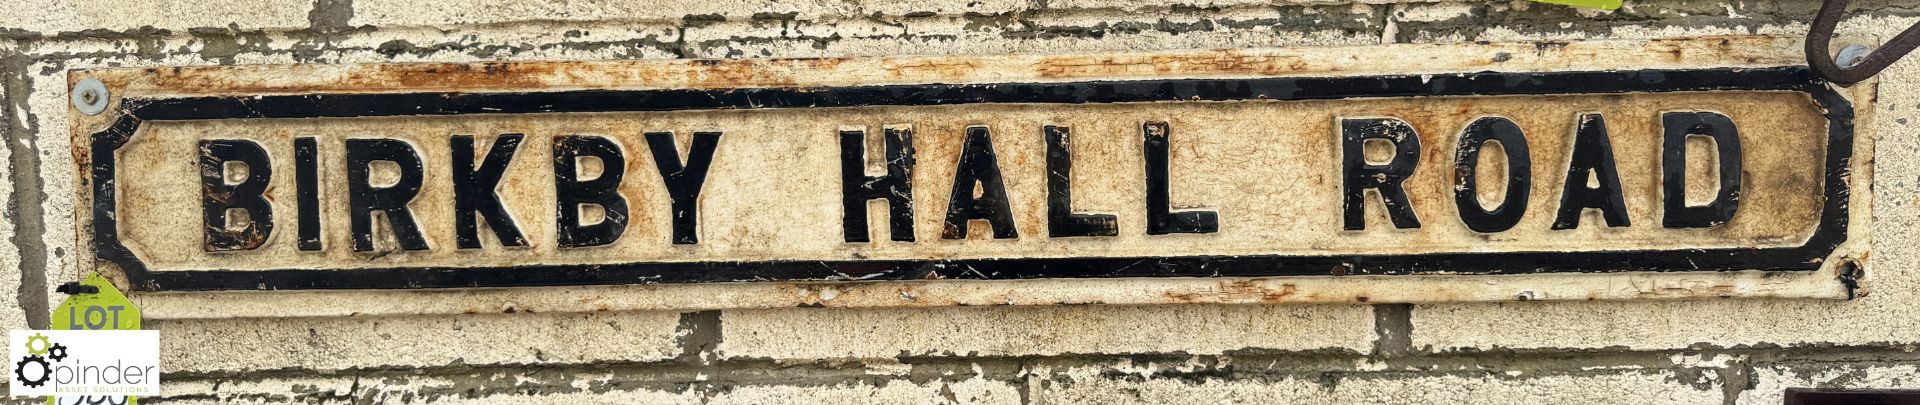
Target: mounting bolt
pixel 1852 55
pixel 89 96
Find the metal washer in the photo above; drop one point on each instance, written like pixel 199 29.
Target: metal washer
pixel 89 96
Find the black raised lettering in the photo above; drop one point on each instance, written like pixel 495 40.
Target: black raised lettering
pixel 363 198
pixel 978 168
pixel 1061 220
pixel 603 191
pixel 1673 167
pixel 306 176
pixel 684 181
pixel 474 191
pixel 856 187
pixel 1386 178
pixel 218 198
pixel 1592 156
pixel 1156 138
pixel 1466 173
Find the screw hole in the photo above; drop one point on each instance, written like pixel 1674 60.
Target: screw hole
pixel 1851 271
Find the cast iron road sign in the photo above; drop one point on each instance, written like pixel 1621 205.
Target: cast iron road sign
pixel 1198 164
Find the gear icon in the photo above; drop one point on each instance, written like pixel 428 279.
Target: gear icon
pixel 44 344
pixel 20 371
pixel 58 352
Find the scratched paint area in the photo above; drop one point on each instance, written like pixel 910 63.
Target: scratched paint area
pixel 773 191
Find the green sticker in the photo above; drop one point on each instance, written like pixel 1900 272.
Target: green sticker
pixel 105 310
pixel 1600 4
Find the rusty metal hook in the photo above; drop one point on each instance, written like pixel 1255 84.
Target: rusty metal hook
pixel 1820 38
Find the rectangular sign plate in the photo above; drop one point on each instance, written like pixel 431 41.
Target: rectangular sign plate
pixel 393 176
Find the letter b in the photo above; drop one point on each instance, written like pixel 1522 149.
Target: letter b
pixel 219 198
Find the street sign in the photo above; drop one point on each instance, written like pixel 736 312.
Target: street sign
pixel 1283 163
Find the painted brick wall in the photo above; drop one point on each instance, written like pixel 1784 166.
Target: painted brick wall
pixel 1733 351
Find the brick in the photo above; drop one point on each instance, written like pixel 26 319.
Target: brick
pixel 1439 22
pixel 1095 385
pixel 413 13
pixel 256 391
pixel 1137 5
pixel 415 341
pixel 405 13
pixel 49 17
pixel 890 392
pixel 579 388
pixel 1040 32
pixel 1657 325
pixel 549 42
pixel 810 333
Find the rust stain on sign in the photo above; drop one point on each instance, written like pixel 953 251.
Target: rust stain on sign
pixel 1241 165
pixel 828 72
pixel 772 186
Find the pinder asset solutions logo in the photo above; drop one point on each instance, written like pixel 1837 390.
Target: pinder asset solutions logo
pixel 84 362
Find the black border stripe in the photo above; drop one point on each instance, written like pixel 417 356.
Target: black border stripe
pixel 1831 232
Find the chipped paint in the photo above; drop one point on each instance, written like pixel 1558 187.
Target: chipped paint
pixel 825 73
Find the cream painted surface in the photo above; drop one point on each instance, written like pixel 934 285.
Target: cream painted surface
pixel 404 13
pixel 450 391
pixel 1088 387
pixel 1607 387
pixel 225 345
pixel 1278 290
pixel 1038 331
pixel 65 16
pixel 773 193
pixel 11 272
